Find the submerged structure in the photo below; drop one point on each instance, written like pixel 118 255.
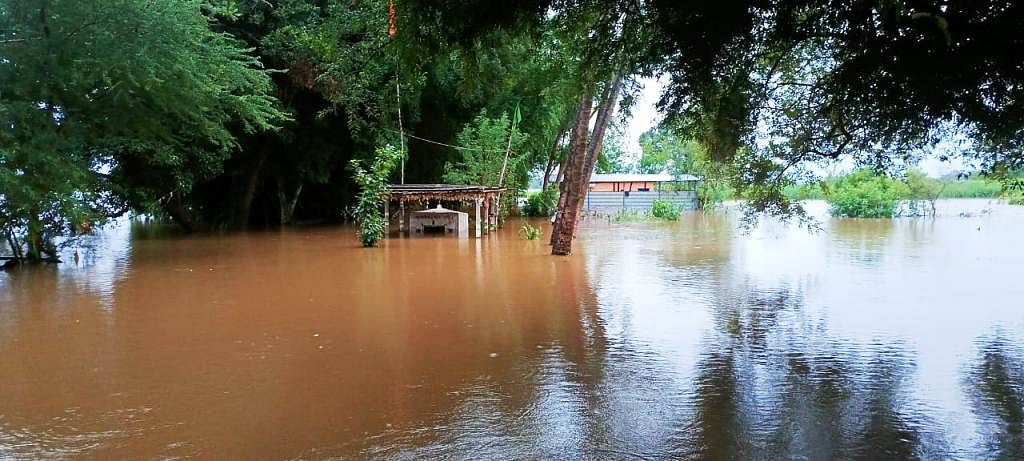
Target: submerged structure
pixel 414 198
pixel 439 221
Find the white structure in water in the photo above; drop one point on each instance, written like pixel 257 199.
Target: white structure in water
pixel 439 221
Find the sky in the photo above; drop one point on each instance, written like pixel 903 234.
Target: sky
pixel 645 116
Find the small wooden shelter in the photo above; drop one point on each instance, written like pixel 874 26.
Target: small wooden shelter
pixel 484 198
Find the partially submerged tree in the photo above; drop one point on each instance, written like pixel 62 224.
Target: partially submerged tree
pixel 92 92
pixel 584 148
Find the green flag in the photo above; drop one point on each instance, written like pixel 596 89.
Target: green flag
pixel 516 117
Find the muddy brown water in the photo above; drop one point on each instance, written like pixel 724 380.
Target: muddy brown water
pixel 873 339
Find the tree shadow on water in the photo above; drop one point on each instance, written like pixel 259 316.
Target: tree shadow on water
pixel 995 387
pixel 775 385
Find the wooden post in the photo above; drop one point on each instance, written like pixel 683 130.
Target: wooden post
pixel 493 215
pixel 487 214
pixel 387 216
pixel 495 210
pixel 401 217
pixel 477 202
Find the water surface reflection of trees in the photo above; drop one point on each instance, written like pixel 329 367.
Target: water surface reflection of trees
pixel 774 385
pixel 995 387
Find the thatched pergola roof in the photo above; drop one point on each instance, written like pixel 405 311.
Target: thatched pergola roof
pixel 421 192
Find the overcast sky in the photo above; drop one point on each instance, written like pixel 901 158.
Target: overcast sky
pixel 645 116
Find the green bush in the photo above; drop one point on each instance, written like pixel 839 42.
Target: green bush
pixel 626 215
pixel 971 188
pixel 665 209
pixel 1015 198
pixel 796 192
pixel 865 194
pixel 373 184
pixel 711 193
pixel 541 203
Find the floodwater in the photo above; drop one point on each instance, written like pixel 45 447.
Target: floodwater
pixel 873 339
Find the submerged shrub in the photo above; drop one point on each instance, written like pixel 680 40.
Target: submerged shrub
pixel 627 215
pixel 542 203
pixel 664 209
pixel 373 184
pixel 865 194
pixel 712 193
pixel 529 232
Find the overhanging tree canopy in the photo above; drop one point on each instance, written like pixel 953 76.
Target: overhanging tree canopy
pixel 769 85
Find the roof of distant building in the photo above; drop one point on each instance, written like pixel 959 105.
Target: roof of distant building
pixel 632 177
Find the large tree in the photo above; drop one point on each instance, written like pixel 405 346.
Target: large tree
pixel 93 90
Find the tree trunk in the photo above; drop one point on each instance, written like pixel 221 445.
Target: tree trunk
pixel 580 166
pixel 568 200
pixel 287 205
pixel 12 241
pixel 34 238
pixel 547 171
pixel 604 115
pixel 241 220
pixel 176 210
pixel 559 183
pixel 552 159
pixel 563 166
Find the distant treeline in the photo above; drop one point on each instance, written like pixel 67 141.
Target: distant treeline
pixel 866 193
pixel 972 187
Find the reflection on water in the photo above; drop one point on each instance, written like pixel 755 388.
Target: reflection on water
pixel 871 340
pixel 996 386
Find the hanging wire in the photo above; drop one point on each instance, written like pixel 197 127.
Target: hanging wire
pixel 393 32
pixel 439 143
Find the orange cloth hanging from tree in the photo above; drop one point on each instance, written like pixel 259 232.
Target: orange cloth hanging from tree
pixel 392 30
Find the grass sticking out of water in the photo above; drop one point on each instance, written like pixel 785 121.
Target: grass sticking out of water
pixel 529 232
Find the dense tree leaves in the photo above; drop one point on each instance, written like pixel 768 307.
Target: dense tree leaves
pixel 664 152
pixel 96 90
pixel 768 86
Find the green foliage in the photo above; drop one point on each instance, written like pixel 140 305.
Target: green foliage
pixel 629 215
pixel 115 104
pixel 865 193
pixel 373 185
pixel 921 194
pixel 529 232
pixel 542 203
pixel 796 192
pixel 661 210
pixel 664 209
pixel 612 159
pixel 971 188
pixel 1016 198
pixel 711 193
pixel 483 144
pixel 920 187
pixel 664 151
